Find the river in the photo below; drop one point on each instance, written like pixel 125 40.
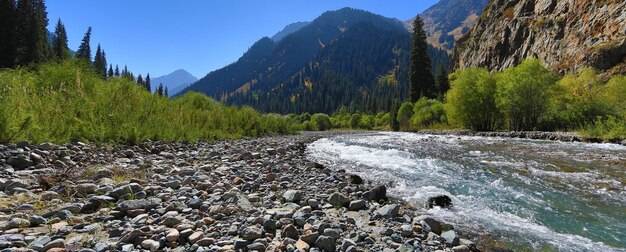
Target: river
pixel 525 194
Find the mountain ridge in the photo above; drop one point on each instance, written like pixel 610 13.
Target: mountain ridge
pixel 174 81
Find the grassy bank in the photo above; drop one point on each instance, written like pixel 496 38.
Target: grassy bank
pixel 62 102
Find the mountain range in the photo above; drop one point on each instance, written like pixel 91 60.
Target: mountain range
pixel 175 81
pixel 347 57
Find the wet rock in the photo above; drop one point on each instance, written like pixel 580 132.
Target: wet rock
pixel 379 193
pixel 355 179
pixel 431 223
pixel 451 237
pixel 442 201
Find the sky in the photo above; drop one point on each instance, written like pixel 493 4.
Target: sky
pixel 161 36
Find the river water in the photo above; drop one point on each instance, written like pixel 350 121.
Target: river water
pixel 524 194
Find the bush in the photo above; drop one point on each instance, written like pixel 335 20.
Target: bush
pixel 428 112
pixel 404 116
pixel 62 102
pixel 471 100
pixel 320 122
pixel 523 94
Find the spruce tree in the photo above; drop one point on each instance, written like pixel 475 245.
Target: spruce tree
pixel 104 64
pixel 110 74
pixel 441 81
pixel 420 70
pixel 59 42
pixel 31 36
pixel 140 80
pixel 7 33
pixel 97 60
pixel 159 90
pixel 84 50
pixel 395 125
pixel 117 71
pixel 165 93
pixel 147 83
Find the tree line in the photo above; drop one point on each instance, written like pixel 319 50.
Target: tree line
pixel 24 41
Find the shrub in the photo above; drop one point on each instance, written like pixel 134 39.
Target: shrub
pixel 523 94
pixel 427 112
pixel 471 100
pixel 320 122
pixel 404 116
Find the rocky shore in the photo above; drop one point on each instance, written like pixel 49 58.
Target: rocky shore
pixel 537 135
pixel 233 195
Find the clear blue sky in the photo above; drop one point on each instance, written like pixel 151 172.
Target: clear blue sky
pixel 159 36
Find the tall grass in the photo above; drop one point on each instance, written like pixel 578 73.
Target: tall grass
pixel 63 102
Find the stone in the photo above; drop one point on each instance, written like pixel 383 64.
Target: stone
pixel 333 233
pixel 460 248
pixel 20 162
pixel 451 237
pixel 302 246
pixel 194 203
pixel 388 211
pixel 128 248
pixel 146 204
pixel 355 179
pixel 238 181
pixel 433 224
pixel 193 238
pixel 86 188
pixel 46 146
pixel 338 200
pixel 40 242
pixel 58 243
pixel 442 201
pixel 205 242
pixel 252 233
pixel 36 220
pixel 310 238
pixel 151 245
pixel 290 231
pixel 172 235
pixel 356 205
pixel 379 193
pixel 292 196
pixel 14 223
pixel 131 188
pixel 347 243
pixel 257 246
pixel 325 243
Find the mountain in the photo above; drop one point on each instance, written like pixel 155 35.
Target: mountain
pixel 347 57
pixel 289 29
pixel 175 81
pixel 564 35
pixel 449 20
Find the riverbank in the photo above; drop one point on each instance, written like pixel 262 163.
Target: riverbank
pixel 537 135
pixel 249 194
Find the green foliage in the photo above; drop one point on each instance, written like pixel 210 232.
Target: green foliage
pixel 31 34
pixel 320 122
pixel 59 42
pixel 523 94
pixel 404 116
pixel 428 112
pixel 69 101
pixel 84 50
pixel 471 100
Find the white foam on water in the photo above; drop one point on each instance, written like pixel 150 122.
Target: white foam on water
pixel 415 180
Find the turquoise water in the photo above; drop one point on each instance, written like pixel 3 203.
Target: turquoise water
pixel 524 194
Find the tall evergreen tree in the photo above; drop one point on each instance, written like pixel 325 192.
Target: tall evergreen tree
pixel 7 33
pixel 165 93
pixel 159 90
pixel 104 64
pixel 442 83
pixel 59 42
pixel 395 125
pixel 420 70
pixel 110 74
pixel 31 37
pixel 140 81
pixel 125 71
pixel 117 71
pixel 84 50
pixel 147 83
pixel 98 62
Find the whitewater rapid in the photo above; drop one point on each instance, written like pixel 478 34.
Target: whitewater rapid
pixel 531 194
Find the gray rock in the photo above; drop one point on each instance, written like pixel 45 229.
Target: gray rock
pixel 86 188
pixel 194 203
pixel 256 246
pixel 167 155
pixel 347 243
pixel 46 146
pixel 310 238
pixel 101 247
pixel 14 223
pixel 451 237
pixel 292 196
pixel 252 233
pixel 326 243
pixel 388 211
pixel 406 247
pixel 338 199
pixel 460 248
pixel 431 223
pixel 63 214
pixel 148 203
pixel 379 193
pixel 129 189
pixel 356 205
pixel 128 248
pixel 36 220
pixel 20 162
pixel 40 242
pixel 333 233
